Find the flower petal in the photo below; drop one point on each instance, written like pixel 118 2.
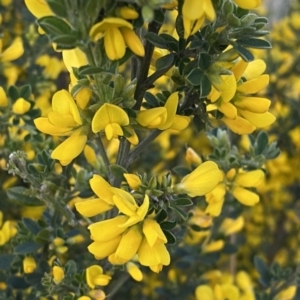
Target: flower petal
pixel 258 120
pixel 245 196
pixel 43 125
pixel 92 207
pixel 250 179
pixel 239 125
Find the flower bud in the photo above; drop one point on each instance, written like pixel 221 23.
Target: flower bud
pixel 29 265
pixel 58 274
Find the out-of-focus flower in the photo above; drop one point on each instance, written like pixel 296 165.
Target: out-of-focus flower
pixel 7 231
pixel 29 265
pixel 117 33
pixel 248 4
pixel 95 276
pixel 21 106
pixel 58 274
pixel 39 8
pixel 13 52
pixel 223 291
pixel 134 271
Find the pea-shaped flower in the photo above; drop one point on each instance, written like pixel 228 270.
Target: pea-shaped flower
pixel 118 34
pixel 110 118
pixel 64 120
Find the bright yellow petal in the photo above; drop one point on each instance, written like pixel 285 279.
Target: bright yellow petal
pixel 250 179
pixel 39 8
pixel 21 106
pixel 248 4
pixel 239 68
pixel 153 117
pixel 129 244
pixel 228 109
pixel 63 103
pixel 107 114
pixel 103 249
pixel 245 196
pixel 92 207
pixel 201 181
pixel 209 10
pixel 71 147
pixel 254 69
pixel 180 122
pixel 101 188
pixel 106 230
pixel 133 41
pixel 230 87
pixel 14 51
pixel 108 23
pixel 153 232
pixel 114 44
pixel 43 125
pixel 239 125
pixel 3 97
pixel 134 271
pixel 253 104
pixel 204 292
pixel 171 107
pixel 255 85
pixel 192 9
pixel 59 120
pixel 125 207
pixel 74 58
pixel 113 130
pixel 258 120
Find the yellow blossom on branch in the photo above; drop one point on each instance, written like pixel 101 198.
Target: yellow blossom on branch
pixel 117 34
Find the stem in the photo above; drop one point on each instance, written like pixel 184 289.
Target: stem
pixel 117 285
pixel 104 156
pixel 144 68
pixel 122 157
pixel 142 145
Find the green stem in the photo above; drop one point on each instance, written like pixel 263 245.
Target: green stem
pixel 133 155
pixel 104 156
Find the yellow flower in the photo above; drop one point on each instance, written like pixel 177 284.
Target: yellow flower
pixel 21 106
pixel 3 98
pixel 29 265
pixel 13 52
pixel 192 157
pixel 95 276
pixel 231 226
pixel 134 271
pixel 243 113
pixel 133 181
pixel 118 34
pixel 64 120
pixel 248 4
pixel 194 13
pixel 287 294
pixel 163 117
pixel 223 291
pixel 7 231
pixel 39 8
pixel 58 274
pixel 110 118
pixel 126 12
pixel 213 246
pixel 93 207
pixel 201 181
pixel 154 257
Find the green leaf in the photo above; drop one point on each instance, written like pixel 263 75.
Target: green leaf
pixel 71 267
pixel 43 236
pixel 6 261
pixel 13 93
pixel 165 62
pixel 170 237
pixel 254 43
pixel 167 225
pixel 57 6
pixel 54 25
pixel 26 248
pixel 25 91
pixel 183 215
pixel 117 171
pixel 89 70
pixel 156 40
pixel 194 77
pixel 204 61
pixel 151 99
pixel 65 41
pixel 31 225
pixel 183 202
pixel 171 41
pixel 245 54
pixel 262 141
pixel 233 20
pixel 161 215
pixel 18 194
pixel 263 270
pixel 181 170
pixel 205 86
